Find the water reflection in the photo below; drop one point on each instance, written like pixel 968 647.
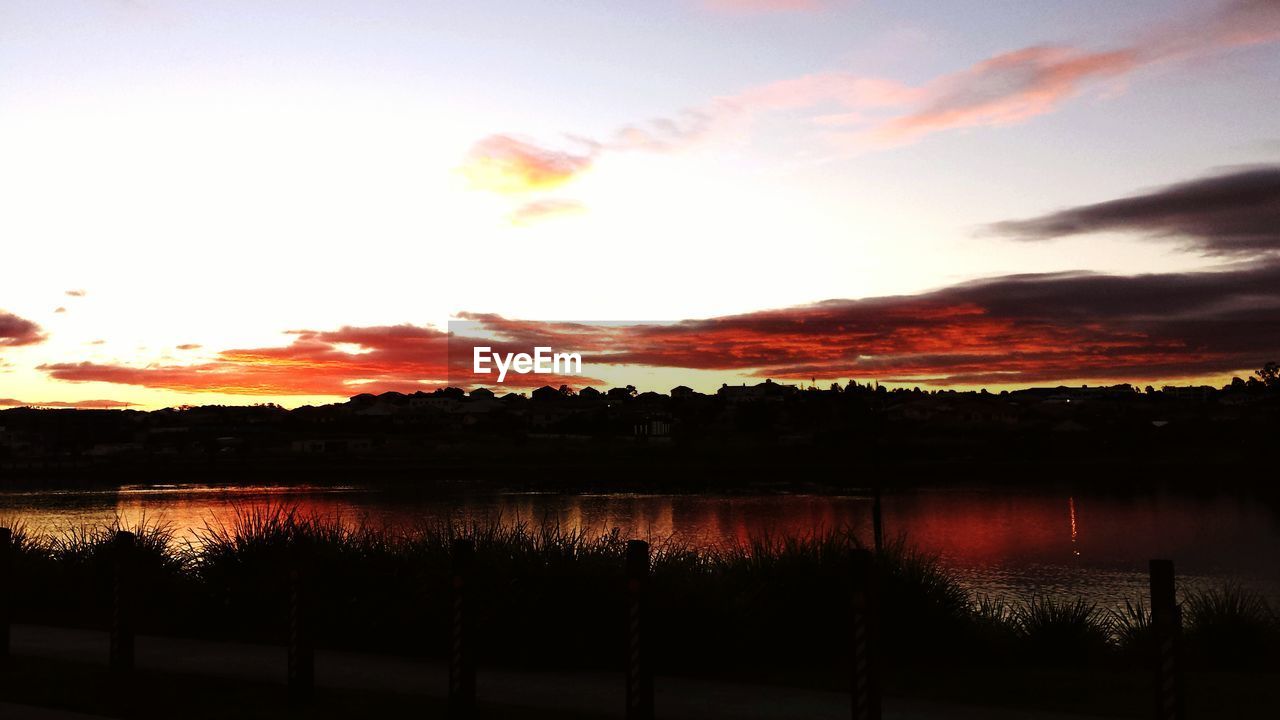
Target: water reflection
pixel 997 542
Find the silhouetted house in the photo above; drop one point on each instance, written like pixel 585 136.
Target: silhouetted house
pixel 1197 393
pixel 651 402
pixel 620 394
pixel 546 393
pixel 380 405
pixel 481 393
pixel 1065 395
pixel 590 393
pixel 765 391
pixel 682 391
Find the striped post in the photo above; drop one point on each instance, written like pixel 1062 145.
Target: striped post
pixel 122 601
pixel 1166 623
pixel 877 520
pixel 302 656
pixel 639 671
pixel 6 587
pixel 462 667
pixel 865 687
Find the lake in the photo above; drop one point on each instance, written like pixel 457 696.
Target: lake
pixel 997 541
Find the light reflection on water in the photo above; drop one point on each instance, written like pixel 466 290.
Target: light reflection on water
pixel 997 542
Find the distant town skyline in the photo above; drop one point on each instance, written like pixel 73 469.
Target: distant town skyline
pixel 289 203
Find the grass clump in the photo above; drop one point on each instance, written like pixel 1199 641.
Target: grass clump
pixel 1058 632
pixel 1230 627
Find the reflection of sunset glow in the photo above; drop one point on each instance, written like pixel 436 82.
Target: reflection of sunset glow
pixel 997 542
pixel 1071 505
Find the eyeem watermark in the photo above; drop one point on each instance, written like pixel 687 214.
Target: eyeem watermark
pixel 543 361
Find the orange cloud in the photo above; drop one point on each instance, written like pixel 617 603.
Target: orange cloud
pixel 543 209
pixel 504 164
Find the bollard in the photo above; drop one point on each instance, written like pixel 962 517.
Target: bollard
pixel 1166 625
pixel 462 669
pixel 6 587
pixel 639 670
pixel 122 603
pixel 302 654
pixel 865 687
pixel 877 521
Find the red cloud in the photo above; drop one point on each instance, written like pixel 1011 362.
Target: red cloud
pixel 342 362
pixel 16 331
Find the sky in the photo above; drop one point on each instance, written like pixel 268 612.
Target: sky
pixel 289 202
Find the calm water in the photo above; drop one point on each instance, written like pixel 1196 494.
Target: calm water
pixel 999 542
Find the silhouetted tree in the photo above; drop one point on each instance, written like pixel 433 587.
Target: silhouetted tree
pixel 1269 374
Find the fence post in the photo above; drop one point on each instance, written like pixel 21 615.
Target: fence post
pixel 865 688
pixel 877 520
pixel 6 587
pixel 122 602
pixel 462 668
pixel 302 657
pixel 639 670
pixel 1166 623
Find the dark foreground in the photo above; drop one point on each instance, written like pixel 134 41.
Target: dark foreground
pixel 548 612
pixel 62 669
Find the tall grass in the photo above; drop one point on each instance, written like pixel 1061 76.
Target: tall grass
pixel 546 595
pixel 1063 632
pixel 1231 627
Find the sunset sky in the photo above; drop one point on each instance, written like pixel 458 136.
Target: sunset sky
pixel 288 202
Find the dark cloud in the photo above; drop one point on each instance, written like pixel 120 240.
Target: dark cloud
pixel 16 331
pixel 1232 213
pixel 1017 329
